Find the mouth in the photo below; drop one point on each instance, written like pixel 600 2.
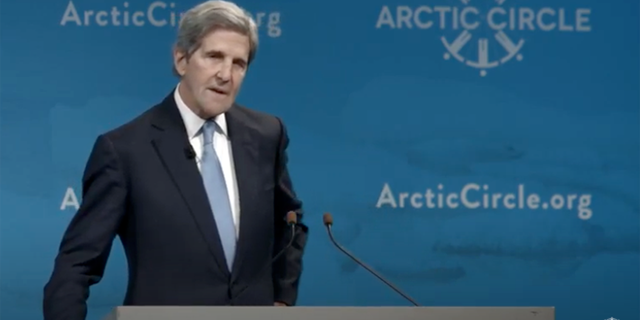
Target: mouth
pixel 218 91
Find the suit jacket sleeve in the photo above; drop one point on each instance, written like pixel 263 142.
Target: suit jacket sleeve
pixel 287 269
pixel 86 243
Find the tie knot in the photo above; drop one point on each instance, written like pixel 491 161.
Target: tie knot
pixel 208 128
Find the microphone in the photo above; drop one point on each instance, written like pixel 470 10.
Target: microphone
pixel 189 152
pixel 292 220
pixel 328 222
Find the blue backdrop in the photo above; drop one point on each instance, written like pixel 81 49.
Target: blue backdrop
pixel 477 152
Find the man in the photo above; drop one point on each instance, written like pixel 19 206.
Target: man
pixel 197 189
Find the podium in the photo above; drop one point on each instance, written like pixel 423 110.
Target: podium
pixel 332 313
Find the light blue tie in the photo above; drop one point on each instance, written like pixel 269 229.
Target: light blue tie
pixel 217 193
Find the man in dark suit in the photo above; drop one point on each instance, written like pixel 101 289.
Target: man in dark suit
pixel 197 189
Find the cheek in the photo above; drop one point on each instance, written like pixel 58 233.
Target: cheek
pixel 199 79
pixel 237 81
pixel 201 71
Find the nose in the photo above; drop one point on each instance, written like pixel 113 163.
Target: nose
pixel 224 73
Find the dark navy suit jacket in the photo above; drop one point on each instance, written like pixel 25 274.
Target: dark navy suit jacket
pixel 140 185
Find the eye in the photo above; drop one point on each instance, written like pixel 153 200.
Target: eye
pixel 214 55
pixel 240 63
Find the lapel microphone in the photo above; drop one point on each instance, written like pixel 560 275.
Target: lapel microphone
pixel 189 152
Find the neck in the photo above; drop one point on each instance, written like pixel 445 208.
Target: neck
pixel 189 101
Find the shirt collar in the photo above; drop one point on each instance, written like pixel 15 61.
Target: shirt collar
pixel 192 121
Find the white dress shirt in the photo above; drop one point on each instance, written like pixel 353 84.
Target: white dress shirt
pixel 222 146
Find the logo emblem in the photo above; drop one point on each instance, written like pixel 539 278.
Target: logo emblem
pixel 484 34
pixel 471 30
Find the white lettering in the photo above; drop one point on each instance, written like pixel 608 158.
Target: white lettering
pixel 463 196
pixel 136 18
pixel 490 200
pixel 87 17
pixel 404 16
pixel 496 197
pixel 114 16
pixel 385 18
pixel 533 201
pixel 386 197
pixel 100 18
pixel 258 18
pixel 491 21
pixel 570 199
pixel 152 18
pixel 420 23
pixel 70 14
pixel 541 23
pixel 471 18
pixel 508 201
pixel 443 18
pixel 582 20
pixel 463 18
pixel 526 18
pixel 403 196
pixel 273 27
pixel 450 200
pixel 157 14
pixel 70 200
pixel 557 201
pixel 455 17
pixel 415 200
pixel 429 195
pixel 584 210
pixel 485 197
pixel 562 23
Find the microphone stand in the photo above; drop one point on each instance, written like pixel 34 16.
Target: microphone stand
pixel 392 286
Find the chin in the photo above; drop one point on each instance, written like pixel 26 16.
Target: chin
pixel 214 110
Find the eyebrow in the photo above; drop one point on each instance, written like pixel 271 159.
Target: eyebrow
pixel 220 53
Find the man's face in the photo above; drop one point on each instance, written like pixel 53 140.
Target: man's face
pixel 213 74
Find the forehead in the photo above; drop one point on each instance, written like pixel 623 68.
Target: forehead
pixel 228 42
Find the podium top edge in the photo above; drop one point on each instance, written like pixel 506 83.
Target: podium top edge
pixel 342 307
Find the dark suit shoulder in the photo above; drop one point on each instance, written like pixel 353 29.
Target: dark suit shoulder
pixel 267 124
pixel 131 128
pixel 134 131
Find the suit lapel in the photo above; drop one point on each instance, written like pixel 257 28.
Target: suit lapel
pixel 171 143
pixel 245 155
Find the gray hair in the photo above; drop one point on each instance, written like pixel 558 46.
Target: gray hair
pixel 208 16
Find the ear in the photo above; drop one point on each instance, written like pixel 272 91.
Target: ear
pixel 180 61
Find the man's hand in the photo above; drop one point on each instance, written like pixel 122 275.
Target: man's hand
pixel 279 304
